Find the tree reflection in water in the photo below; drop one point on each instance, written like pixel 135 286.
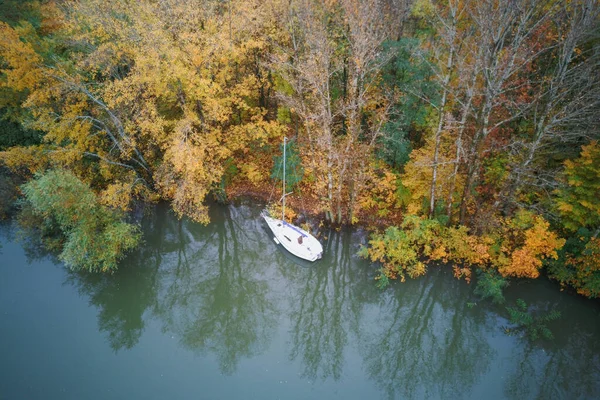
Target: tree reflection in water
pixel 564 367
pixel 203 283
pixel 425 342
pixel 224 289
pixel 324 309
pixel 213 295
pixel 123 298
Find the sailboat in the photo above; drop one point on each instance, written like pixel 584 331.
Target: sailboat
pixel 294 239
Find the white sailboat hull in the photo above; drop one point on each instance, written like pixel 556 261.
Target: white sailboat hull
pixel 295 240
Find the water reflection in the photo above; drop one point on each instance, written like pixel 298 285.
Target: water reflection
pixel 426 342
pixel 226 291
pixel 120 305
pixel 123 298
pixel 324 309
pixel 214 296
pixel 565 367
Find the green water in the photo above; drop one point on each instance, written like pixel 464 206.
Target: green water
pixel 220 312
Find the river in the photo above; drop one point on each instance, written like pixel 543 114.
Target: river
pixel 221 312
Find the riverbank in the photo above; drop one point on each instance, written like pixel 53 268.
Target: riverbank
pixel 398 244
pixel 307 206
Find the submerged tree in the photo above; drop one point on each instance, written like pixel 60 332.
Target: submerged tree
pixel 534 325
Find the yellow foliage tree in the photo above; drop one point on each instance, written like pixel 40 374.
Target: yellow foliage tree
pixel 417 176
pixel 379 195
pixel 147 97
pixel 540 243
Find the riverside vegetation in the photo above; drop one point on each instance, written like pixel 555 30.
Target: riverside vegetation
pixel 462 131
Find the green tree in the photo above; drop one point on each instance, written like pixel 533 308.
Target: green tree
pixel 95 237
pixel 13 134
pixel 578 264
pixel 407 78
pixel 14 11
pixel 293 166
pixel 490 285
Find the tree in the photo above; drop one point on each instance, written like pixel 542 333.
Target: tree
pixel 448 34
pixel 331 63
pixel 407 82
pixel 505 36
pixel 95 237
pixel 578 264
pixel 293 166
pixel 143 102
pixel 536 243
pixel 578 202
pixel 566 102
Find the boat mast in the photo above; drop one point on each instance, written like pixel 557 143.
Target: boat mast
pixel 283 198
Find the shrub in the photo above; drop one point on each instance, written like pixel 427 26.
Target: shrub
pixel 490 285
pixel 95 237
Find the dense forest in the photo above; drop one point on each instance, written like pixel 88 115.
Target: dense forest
pixel 458 130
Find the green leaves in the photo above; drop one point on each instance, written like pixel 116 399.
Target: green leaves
pixel 409 75
pixel 490 285
pixel 578 264
pixel 95 238
pixel 398 251
pixel 293 166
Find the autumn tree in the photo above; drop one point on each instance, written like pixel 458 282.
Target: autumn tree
pixel 143 102
pixel 565 102
pixel 578 201
pixel 449 37
pixel 578 265
pixel 507 42
pixel 331 62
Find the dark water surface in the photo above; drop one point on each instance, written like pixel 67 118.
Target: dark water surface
pixel 220 312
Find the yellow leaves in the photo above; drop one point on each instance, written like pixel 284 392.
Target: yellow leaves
pixel 22 64
pixel 423 9
pixel 418 172
pixel 439 253
pixel 117 195
pixel 397 252
pixel 380 191
pixel 192 165
pixel 25 161
pixel 463 272
pixel 418 269
pixel 515 255
pixel 124 188
pixel 187 94
pixel 466 248
pixel 257 132
pixel 52 18
pixel 540 243
pixel 275 211
pixel 578 202
pixel 480 248
pixel 524 264
pixel 253 173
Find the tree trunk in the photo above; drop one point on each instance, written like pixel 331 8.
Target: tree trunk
pixel 438 132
